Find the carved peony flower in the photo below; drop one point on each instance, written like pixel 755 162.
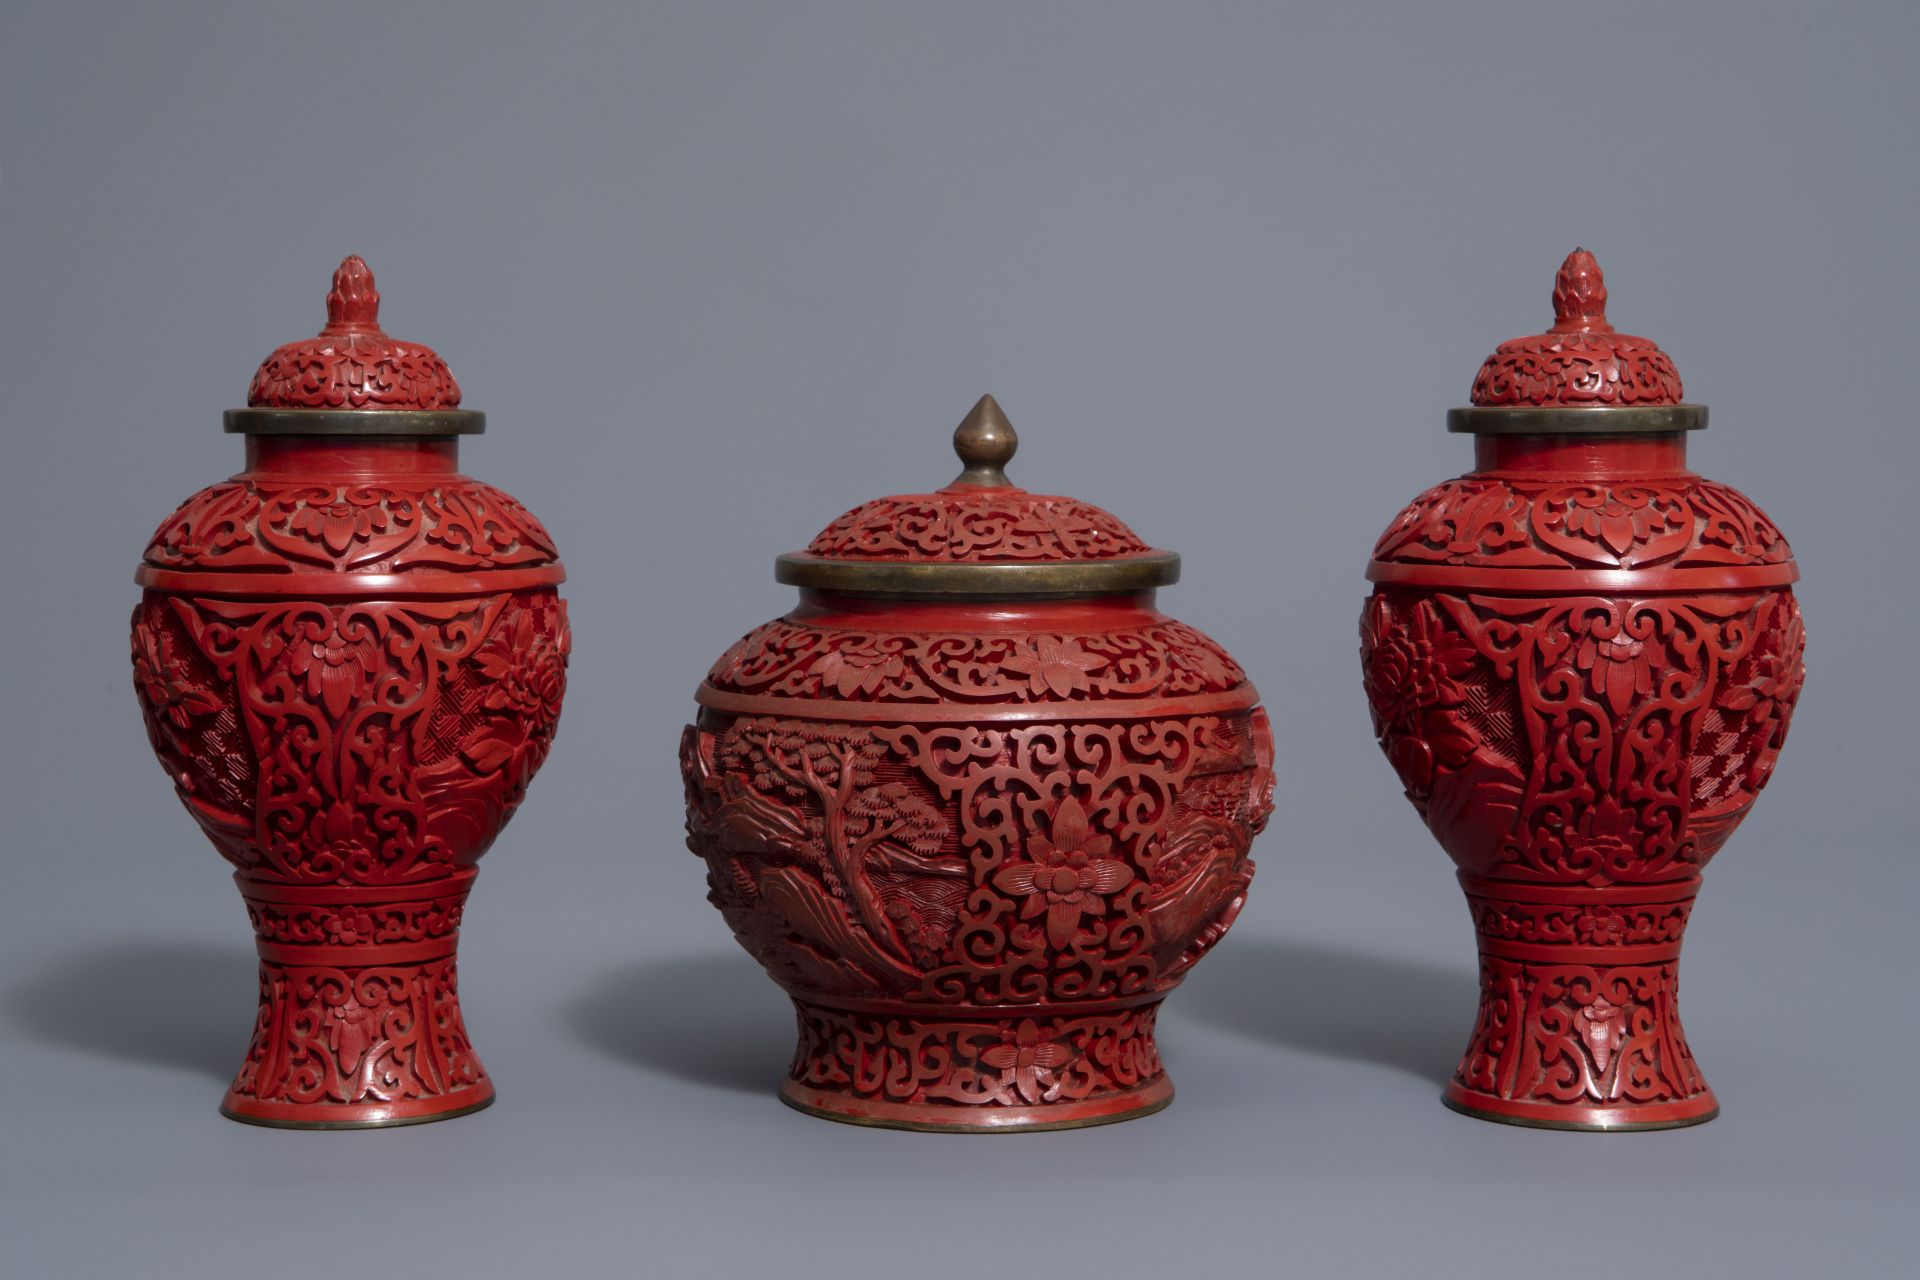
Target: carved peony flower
pixel 529 669
pixel 1051 664
pixel 336 670
pixel 161 677
pixel 1069 876
pixel 1442 739
pixel 1768 696
pixel 1025 1061
pixel 335 525
pixel 1413 666
pixel 1619 666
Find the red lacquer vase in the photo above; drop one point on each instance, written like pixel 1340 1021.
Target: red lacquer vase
pixel 351 659
pixel 1581 658
pixel 977 805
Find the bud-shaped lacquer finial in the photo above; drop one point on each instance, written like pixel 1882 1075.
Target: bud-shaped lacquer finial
pixel 986 442
pixel 353 305
pixel 1579 296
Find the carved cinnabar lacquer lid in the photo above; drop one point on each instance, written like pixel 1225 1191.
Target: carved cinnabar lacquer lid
pixel 1581 377
pixel 352 378
pixel 981 536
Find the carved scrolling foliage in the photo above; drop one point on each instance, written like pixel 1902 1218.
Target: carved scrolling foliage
pixel 1679 521
pixel 367 528
pixel 1006 1062
pixel 799 660
pixel 1572 1033
pixel 361 1035
pixel 1582 738
pixel 351 742
pixel 984 525
pixel 980 864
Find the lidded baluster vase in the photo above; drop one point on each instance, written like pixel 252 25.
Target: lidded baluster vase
pixel 977 805
pixel 351 659
pixel 1581 658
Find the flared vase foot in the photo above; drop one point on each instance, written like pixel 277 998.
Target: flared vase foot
pixel 359 1024
pixel 1579 1021
pixel 977 1071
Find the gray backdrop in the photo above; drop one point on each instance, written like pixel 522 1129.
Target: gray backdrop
pixel 717 272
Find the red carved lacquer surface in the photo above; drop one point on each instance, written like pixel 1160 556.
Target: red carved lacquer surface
pixel 258 524
pixel 979 870
pixel 977 525
pixel 353 364
pixel 1581 360
pixel 1529 522
pixel 797 660
pixel 1581 746
pixel 351 684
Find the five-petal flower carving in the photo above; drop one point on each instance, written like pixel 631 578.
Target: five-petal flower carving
pixel 1069 876
pixel 1055 665
pixel 1026 1060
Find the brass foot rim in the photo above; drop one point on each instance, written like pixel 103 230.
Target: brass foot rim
pixel 1151 1106
pixel 1576 1126
pixel 396 1122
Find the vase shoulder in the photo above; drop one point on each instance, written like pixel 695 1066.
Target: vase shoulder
pixel 1644 531
pixel 354 524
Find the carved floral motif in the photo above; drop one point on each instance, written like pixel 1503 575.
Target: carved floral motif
pixel 802 660
pixel 979 864
pixel 998 524
pixel 1565 739
pixel 353 1036
pixel 1508 522
pixel 351 742
pixel 1011 1062
pixel 249 524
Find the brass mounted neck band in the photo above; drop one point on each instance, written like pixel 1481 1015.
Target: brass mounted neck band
pixel 1568 420
pixel 355 422
pixel 977 581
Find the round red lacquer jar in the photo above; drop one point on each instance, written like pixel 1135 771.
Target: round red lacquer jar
pixel 977 805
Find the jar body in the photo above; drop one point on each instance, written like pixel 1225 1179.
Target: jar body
pixel 351 660
pixel 977 844
pixel 1581 659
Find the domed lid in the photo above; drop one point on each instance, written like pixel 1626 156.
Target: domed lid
pixel 981 536
pixel 1581 377
pixel 353 379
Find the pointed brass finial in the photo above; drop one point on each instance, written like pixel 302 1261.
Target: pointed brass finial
pixel 985 441
pixel 352 305
pixel 1580 295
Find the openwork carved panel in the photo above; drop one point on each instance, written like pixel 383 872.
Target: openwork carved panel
pixel 1582 739
pixel 1017 895
pixel 351 742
